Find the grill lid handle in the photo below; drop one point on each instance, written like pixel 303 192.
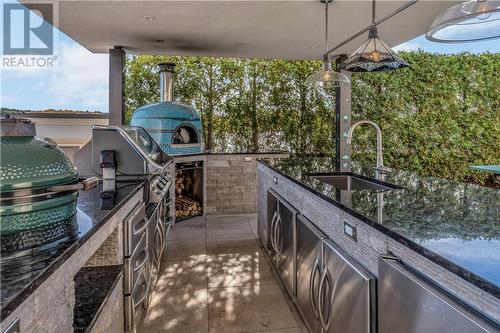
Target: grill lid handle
pixel 84 185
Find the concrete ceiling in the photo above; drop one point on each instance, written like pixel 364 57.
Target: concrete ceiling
pixel 251 29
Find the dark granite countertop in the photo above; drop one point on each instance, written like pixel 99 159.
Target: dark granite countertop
pixel 456 225
pixel 23 271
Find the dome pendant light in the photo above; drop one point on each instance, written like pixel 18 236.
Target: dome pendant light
pixel 327 77
pixel 374 55
pixel 471 21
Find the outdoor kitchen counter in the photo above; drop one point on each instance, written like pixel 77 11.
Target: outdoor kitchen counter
pixel 455 225
pixel 20 278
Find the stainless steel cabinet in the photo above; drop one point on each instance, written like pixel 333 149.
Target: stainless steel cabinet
pixel 334 292
pixel 409 303
pixel 281 231
pixel 309 271
pixel 346 293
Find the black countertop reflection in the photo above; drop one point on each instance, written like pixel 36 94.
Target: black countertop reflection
pixel 456 225
pixel 23 271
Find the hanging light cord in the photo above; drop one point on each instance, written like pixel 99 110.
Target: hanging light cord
pixel 373 13
pixel 326 26
pixel 385 18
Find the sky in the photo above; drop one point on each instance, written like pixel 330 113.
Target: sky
pixel 80 79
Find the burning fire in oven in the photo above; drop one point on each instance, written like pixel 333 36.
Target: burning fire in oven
pixel 188 190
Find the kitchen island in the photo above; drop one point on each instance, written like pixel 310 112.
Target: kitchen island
pixel 447 231
pixel 41 287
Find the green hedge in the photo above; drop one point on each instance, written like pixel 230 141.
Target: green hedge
pixel 437 117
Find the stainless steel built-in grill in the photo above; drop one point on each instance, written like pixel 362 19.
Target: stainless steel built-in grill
pixel 131 153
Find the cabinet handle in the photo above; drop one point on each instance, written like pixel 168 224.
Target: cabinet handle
pixel 315 269
pixel 275 233
pixel 279 237
pixel 324 278
pixel 273 221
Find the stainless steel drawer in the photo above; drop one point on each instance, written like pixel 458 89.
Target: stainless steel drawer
pixel 135 263
pixel 136 303
pixel 134 226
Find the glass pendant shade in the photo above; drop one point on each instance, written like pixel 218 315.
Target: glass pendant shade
pixel 473 20
pixel 327 77
pixel 374 56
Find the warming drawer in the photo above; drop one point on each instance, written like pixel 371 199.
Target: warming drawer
pixel 410 303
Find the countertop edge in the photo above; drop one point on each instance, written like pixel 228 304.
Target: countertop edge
pixel 19 298
pixel 461 272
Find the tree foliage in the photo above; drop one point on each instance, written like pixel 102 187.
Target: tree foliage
pixel 437 117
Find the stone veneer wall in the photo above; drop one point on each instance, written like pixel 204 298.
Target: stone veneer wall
pixel 110 252
pixel 50 307
pixel 370 243
pixel 230 181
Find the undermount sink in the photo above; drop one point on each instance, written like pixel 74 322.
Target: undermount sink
pixel 349 182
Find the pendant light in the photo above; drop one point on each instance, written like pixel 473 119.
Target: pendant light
pixel 327 77
pixel 471 21
pixel 374 55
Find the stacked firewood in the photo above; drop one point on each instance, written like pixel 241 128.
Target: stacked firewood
pixel 184 205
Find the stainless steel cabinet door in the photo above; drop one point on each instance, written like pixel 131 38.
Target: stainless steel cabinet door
pixel 284 239
pixel 408 303
pixel 346 292
pixel 309 262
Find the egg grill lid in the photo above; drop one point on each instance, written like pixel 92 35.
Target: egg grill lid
pixel 29 162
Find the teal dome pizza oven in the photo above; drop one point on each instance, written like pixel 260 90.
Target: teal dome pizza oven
pixel 32 211
pixel 176 127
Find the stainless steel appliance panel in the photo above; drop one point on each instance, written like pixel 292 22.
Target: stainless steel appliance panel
pixel 410 303
pixel 285 254
pixel 346 293
pixel 309 262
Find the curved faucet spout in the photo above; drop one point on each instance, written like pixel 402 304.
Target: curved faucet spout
pixel 381 169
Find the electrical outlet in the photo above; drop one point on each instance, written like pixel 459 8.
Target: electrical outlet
pixel 350 231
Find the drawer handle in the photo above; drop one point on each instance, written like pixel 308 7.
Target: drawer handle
pixel 144 295
pixel 135 211
pixel 143 261
pixel 142 227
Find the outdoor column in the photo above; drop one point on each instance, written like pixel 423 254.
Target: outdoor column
pixel 342 121
pixel 116 86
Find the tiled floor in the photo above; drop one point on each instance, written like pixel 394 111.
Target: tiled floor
pixel 215 278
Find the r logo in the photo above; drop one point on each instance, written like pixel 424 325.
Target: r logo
pixel 40 34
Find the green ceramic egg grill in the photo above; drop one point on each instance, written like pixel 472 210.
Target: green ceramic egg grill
pixel 33 210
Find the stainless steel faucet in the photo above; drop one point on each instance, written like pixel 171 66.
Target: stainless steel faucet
pixel 380 169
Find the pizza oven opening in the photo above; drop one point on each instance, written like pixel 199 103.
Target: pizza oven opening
pixel 185 134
